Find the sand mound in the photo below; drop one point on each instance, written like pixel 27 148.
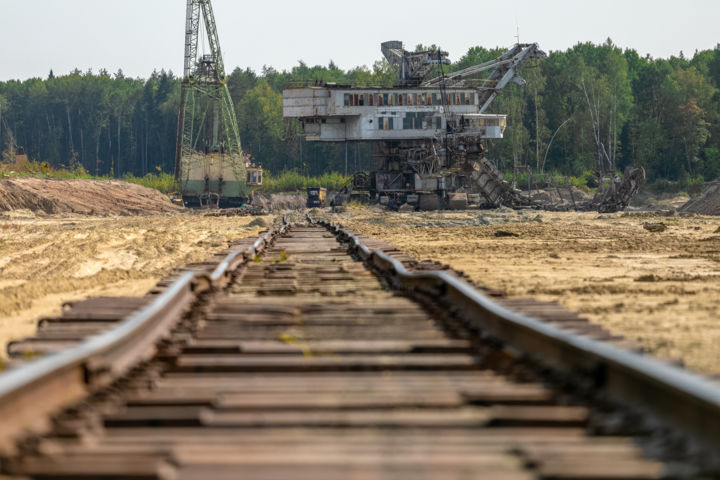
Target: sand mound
pixel 88 197
pixel 46 260
pixel 708 203
pixel 258 222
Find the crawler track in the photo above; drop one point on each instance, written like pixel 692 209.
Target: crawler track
pixel 325 359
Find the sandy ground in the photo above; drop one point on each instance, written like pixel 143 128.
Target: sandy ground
pixel 48 260
pixel 662 289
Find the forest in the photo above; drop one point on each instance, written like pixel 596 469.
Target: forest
pixel 589 107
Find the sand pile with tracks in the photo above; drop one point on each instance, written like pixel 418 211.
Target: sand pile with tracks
pixel 708 203
pixel 48 260
pixel 86 197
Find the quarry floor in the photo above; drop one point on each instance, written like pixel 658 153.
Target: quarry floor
pixel 662 289
pixel 51 259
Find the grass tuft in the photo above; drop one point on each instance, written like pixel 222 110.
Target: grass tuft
pixel 44 170
pixel 286 181
pixel 292 181
pixel 164 182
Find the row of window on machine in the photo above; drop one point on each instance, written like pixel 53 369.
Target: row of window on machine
pixel 400 99
pixel 411 121
pixel 425 120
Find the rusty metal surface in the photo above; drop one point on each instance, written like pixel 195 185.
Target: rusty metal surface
pixel 309 364
pixel 38 380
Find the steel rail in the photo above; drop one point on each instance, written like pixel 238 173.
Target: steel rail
pixel 231 262
pixel 32 392
pixel 686 401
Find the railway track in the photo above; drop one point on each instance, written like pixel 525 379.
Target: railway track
pixel 311 353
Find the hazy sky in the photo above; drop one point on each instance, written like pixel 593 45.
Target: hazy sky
pixel 141 35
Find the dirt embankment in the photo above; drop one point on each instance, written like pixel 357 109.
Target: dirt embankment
pixel 661 288
pixel 86 197
pixel 707 203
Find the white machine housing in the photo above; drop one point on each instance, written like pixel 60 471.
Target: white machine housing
pixel 336 114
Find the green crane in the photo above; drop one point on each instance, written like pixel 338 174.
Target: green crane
pixel 209 162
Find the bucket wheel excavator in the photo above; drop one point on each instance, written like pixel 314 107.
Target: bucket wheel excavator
pixel 428 133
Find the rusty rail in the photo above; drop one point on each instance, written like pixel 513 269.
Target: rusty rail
pixel 234 259
pixel 30 393
pixel 686 401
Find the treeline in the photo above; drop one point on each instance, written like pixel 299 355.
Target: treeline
pixel 590 107
pixel 604 108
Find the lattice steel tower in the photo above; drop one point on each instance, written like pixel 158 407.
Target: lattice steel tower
pixel 207 126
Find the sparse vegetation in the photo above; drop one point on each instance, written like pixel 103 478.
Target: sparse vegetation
pixel 586 182
pixel 44 170
pixel 356 206
pixel 292 181
pixel 164 182
pixel 161 181
pixel 287 181
pixel 686 184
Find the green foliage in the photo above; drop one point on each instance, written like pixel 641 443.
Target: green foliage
pixel 693 185
pixel 712 162
pixel 586 181
pixel 583 183
pixel 164 182
pixel 108 125
pixel 620 109
pixel 686 184
pixel 44 170
pixel 537 180
pixel 292 181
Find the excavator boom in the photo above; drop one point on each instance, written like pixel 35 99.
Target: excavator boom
pixel 505 69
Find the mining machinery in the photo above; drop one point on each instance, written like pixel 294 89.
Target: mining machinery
pixel 614 193
pixel 428 133
pixel 210 167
